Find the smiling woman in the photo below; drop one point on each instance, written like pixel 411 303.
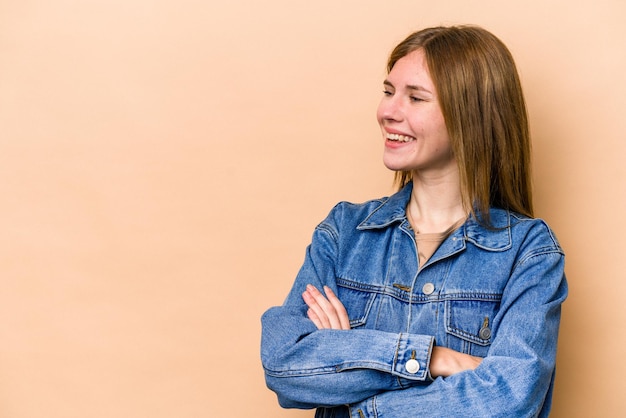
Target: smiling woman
pixel 443 299
pixel 412 122
pixel 163 164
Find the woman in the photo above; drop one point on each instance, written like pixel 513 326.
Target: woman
pixel 443 299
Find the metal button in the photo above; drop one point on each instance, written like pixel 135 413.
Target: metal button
pixel 412 366
pixel 485 333
pixel 428 288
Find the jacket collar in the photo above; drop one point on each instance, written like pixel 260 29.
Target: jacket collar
pixel 393 210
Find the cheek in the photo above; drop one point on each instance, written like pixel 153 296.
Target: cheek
pixel 437 126
pixel 441 122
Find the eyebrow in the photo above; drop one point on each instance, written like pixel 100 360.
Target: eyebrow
pixel 409 87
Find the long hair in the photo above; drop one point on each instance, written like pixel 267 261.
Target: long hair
pixel 483 106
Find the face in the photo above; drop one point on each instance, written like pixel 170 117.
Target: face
pixel 412 124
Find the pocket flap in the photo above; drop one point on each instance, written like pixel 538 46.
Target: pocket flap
pixel 471 320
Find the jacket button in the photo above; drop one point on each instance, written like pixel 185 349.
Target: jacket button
pixel 485 333
pixel 428 288
pixel 412 366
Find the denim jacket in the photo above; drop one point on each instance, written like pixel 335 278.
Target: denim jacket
pixel 492 292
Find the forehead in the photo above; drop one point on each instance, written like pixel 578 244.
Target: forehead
pixel 412 65
pixel 411 70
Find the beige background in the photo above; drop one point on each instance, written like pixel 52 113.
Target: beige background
pixel 163 163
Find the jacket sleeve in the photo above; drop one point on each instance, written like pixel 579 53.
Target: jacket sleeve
pixel 309 368
pixel 515 379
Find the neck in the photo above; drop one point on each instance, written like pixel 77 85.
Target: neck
pixel 436 202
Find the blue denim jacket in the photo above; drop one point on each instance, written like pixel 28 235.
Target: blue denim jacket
pixel 489 292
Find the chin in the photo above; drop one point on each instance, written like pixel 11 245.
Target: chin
pixel 394 166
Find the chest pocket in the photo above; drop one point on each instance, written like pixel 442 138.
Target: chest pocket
pixel 469 325
pixel 358 301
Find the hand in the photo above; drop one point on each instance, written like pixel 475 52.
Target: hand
pixel 445 362
pixel 326 312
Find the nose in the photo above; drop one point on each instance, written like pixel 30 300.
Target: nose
pixel 389 109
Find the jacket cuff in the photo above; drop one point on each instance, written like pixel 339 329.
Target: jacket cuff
pixel 412 359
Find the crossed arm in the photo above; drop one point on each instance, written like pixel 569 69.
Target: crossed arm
pixel 327 312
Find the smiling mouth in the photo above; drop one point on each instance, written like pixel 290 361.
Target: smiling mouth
pixel 399 138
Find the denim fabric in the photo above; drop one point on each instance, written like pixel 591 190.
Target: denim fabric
pixel 489 292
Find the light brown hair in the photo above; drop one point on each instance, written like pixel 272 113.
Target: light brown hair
pixel 485 114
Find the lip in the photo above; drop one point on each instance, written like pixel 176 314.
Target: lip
pixel 397 144
pixel 395 131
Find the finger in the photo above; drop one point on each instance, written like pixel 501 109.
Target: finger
pixel 314 318
pixel 328 308
pixel 315 307
pixel 342 314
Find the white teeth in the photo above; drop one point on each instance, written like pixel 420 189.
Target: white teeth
pixel 399 138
